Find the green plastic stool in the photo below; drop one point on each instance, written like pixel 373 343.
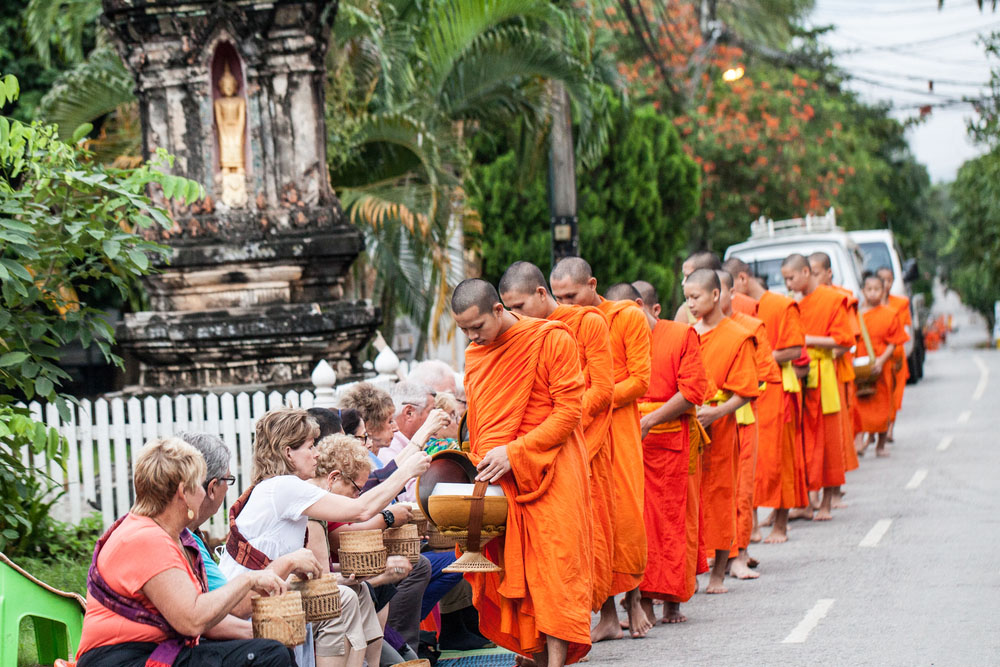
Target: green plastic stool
pixel 56 615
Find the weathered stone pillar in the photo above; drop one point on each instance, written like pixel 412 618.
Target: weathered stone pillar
pixel 252 295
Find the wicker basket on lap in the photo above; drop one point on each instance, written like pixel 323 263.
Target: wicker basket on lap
pixel 280 617
pixel 403 541
pixel 320 597
pixel 362 553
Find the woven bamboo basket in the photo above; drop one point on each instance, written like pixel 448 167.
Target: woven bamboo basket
pixel 403 541
pixel 280 618
pixel 422 662
pixel 320 597
pixel 362 564
pixel 418 518
pixel 360 541
pixel 437 540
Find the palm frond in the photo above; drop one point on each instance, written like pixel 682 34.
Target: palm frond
pixel 87 92
pixel 60 24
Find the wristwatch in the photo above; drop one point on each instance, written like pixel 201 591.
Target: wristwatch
pixel 389 517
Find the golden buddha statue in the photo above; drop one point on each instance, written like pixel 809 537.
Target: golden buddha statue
pixel 230 121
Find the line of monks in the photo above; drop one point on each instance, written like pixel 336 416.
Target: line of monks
pixel 591 412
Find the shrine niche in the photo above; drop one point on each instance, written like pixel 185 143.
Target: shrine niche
pixel 253 293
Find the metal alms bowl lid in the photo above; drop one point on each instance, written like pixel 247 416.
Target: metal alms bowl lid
pixel 447 466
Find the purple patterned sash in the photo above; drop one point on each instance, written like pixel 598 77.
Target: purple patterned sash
pixel 133 610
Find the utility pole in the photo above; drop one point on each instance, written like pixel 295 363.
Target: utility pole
pixel 562 178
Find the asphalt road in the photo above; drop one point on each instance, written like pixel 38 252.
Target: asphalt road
pixel 907 574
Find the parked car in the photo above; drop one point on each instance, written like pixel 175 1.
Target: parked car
pixel 880 249
pixel 772 241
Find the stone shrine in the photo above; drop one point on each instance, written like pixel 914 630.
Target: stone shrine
pixel 253 294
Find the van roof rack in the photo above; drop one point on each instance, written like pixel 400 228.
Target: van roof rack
pixel 763 228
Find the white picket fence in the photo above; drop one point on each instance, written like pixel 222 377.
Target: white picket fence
pixel 105 437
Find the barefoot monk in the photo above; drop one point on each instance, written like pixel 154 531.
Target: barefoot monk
pixel 525 393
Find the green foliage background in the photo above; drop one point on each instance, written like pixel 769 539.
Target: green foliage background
pixel 634 205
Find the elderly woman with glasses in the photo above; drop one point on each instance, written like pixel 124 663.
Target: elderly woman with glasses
pixel 148 600
pixel 269 520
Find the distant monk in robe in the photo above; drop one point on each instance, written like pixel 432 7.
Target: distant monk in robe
pixel 753 417
pixel 828 335
pixel 702 259
pixel 672 442
pixel 820 265
pixel 524 292
pixel 780 478
pixel 727 350
pixel 525 394
pixel 886 334
pixel 901 371
pixel 573 283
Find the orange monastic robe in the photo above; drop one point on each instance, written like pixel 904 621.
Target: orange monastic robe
pixel 902 307
pixel 671 461
pixel 525 393
pixel 769 373
pixel 884 328
pixel 744 304
pixel 728 354
pixel 824 314
pixel 630 354
pixel 849 415
pixel 780 479
pixel 594 344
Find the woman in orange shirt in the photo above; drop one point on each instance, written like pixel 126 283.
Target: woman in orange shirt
pixel 147 597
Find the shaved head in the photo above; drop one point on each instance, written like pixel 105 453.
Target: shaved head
pixel 647 292
pixel 704 259
pixel 821 259
pixel 735 266
pixel 576 269
pixel 474 292
pixel 622 292
pixel 522 278
pixel 706 278
pixel 725 278
pixel 796 262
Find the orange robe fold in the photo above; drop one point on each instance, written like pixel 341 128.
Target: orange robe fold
pixel 744 304
pixel 849 416
pixel 671 501
pixel 769 373
pixel 630 354
pixel 780 479
pixel 884 328
pixel 588 326
pixel 728 353
pixel 902 373
pixel 525 392
pixel 824 313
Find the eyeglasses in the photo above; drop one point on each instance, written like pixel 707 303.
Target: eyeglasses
pixel 357 488
pixel 363 438
pixel 228 479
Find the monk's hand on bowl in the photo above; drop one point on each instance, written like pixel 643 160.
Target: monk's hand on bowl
pixel 267 582
pixel 493 466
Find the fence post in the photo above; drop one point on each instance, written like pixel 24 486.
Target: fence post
pixel 323 378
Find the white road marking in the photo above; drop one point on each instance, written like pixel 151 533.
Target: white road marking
pixel 964 417
pixel 945 443
pixel 917 478
pixel 880 528
pixel 984 378
pixel 807 624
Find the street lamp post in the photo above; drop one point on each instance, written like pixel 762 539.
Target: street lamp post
pixel 562 179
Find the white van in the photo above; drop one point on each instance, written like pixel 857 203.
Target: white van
pixel 771 242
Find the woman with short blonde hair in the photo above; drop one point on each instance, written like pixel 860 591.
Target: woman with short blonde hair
pixel 344 453
pixel 147 594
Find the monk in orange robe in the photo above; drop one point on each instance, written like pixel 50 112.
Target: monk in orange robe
pixel 779 480
pixel 672 440
pixel 819 263
pixel 703 259
pixel 767 373
pixel 886 333
pixel 524 292
pixel 727 350
pixel 828 334
pixel 741 303
pixel 525 394
pixel 573 283
pixel 901 371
